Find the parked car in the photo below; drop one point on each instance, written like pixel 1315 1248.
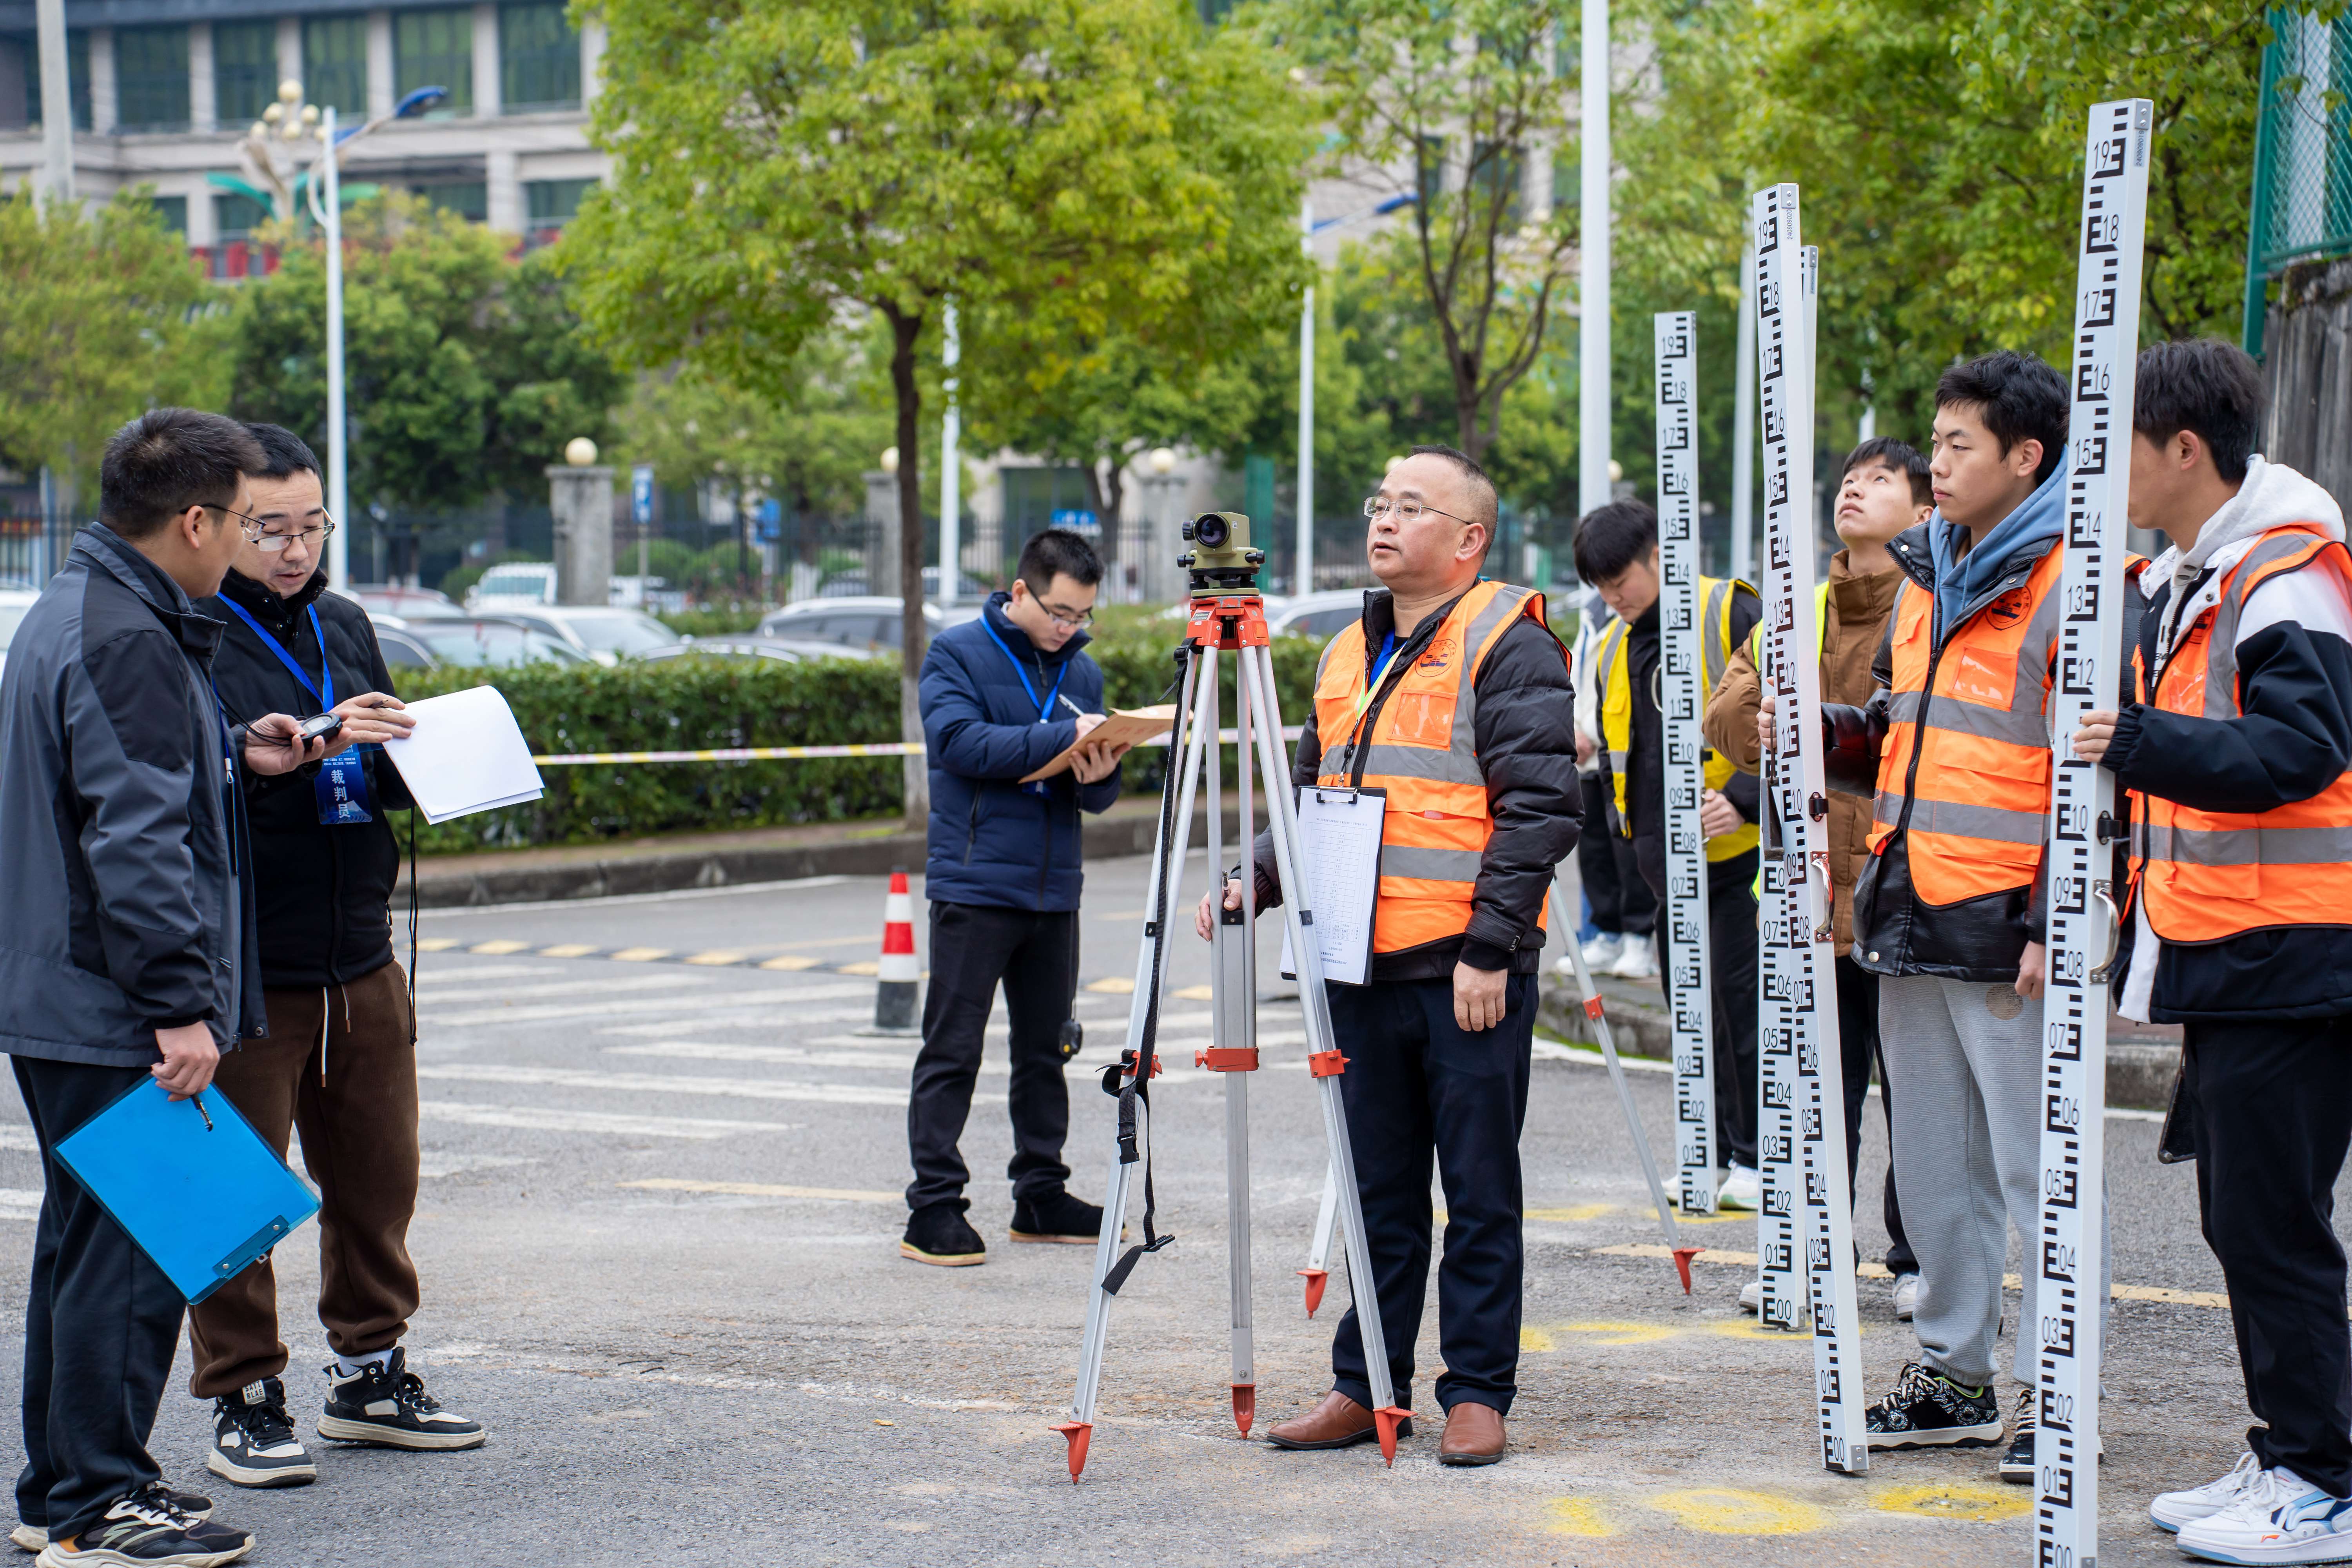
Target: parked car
pixel 486 644
pixel 402 650
pixel 408 603
pixel 783 650
pixel 853 585
pixel 870 624
pixel 512 582
pixel 1316 614
pixel 600 632
pixel 14 603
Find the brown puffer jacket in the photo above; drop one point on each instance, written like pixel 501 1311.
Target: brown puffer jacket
pixel 1859 609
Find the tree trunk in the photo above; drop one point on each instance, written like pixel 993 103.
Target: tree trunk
pixel 904 330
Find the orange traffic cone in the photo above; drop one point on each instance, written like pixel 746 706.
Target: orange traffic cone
pixel 894 996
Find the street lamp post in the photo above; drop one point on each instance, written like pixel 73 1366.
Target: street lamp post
pixel 1302 576
pixel 950 467
pixel 1593 487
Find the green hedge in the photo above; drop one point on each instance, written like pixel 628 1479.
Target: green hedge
pixel 698 704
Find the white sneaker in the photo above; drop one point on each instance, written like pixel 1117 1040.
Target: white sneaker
pixel 1742 1189
pixel 1638 962
pixel 1604 950
pixel 1751 1296
pixel 1907 1297
pixel 2174 1510
pixel 2281 1518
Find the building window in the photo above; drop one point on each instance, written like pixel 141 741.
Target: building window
pixel 335 64
pixel 174 211
pixel 77 78
pixel 245 71
pixel 551 203
pixel 539 58
pixel 17 66
pixel 435 48
pixel 469 199
pixel 235 217
pixel 151 78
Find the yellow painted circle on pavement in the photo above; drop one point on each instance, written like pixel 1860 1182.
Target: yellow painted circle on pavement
pixel 1719 1511
pixel 1622 1333
pixel 1956 1501
pixel 1747 1328
pixel 1576 1516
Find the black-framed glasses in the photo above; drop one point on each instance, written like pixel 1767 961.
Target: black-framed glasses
pixel 1405 511
pixel 275 543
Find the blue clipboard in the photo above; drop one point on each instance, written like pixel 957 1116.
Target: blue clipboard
pixel 190 1181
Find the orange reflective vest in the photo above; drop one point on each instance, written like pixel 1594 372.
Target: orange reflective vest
pixel 1965 771
pixel 2208 875
pixel 1423 751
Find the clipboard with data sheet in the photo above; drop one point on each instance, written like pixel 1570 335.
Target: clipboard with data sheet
pixel 190 1181
pixel 1340 836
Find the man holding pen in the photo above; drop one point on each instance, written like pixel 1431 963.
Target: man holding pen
pixel 123 949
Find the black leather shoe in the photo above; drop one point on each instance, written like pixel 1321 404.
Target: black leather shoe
pixel 1061 1218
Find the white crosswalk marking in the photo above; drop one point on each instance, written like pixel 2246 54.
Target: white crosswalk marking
pixel 536 1119
pixel 658 1083
pixel 777 996
pixel 780 1019
pixel 439 973
pixel 573 987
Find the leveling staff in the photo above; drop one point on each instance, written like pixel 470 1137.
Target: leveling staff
pixel 1453 696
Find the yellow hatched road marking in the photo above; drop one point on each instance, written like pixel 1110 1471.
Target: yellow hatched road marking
pixel 436 943
pixel 866 966
pixel 791 961
pixel 765 1190
pixel 1113 985
pixel 718 956
pixel 495 949
pixel 1190 993
pixel 639 954
pixel 568 950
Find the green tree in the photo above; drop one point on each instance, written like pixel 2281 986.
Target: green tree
pixel 777 162
pixel 102 314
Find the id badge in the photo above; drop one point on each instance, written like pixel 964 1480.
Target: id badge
pixel 342 790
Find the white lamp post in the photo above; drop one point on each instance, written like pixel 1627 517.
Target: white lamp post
pixel 1593 324
pixel 951 470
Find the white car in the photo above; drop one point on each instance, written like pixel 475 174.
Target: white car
pixel 861 622
pixel 14 603
pixel 601 632
pixel 1318 614
pixel 514 583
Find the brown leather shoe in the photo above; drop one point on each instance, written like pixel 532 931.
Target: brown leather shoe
pixel 1337 1423
pixel 1473 1435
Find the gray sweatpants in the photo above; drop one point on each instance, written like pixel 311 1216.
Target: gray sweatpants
pixel 1965 1060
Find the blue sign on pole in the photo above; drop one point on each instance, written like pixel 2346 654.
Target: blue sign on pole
pixel 1077 519
pixel 641 494
pixel 771 520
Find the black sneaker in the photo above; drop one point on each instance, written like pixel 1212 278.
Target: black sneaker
pixel 1929 1410
pixel 2017 1460
pixel 1058 1218
pixel 386 1404
pixel 253 1439
pixel 937 1233
pixel 147 1529
pixel 32 1537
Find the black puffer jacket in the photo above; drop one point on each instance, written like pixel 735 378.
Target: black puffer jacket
pixel 1526 734
pixel 324 894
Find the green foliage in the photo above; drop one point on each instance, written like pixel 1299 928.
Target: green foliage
pixel 711 623
pixel 103 314
pixel 467 370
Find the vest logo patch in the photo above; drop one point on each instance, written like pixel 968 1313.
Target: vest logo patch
pixel 2008 609
pixel 1437 656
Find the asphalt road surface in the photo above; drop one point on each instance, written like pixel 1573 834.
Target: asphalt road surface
pixel 658 1239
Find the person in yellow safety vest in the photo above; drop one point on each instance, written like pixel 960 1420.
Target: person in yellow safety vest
pixel 1885 490
pixel 1617 553
pixel 1453 697
pixel 2234 744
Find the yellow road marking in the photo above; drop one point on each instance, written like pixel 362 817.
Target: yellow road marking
pixel 639 954
pixel 874 937
pixel 1955 1501
pixel 494 949
pixel 716 956
pixel 2158 1293
pixel 1622 1333
pixel 437 944
pixel 1652 1249
pixel 1722 1512
pixel 791 961
pixel 1573 1213
pixel 1114 985
pixel 1576 1516
pixel 1534 1342
pixel 568 950
pixel 765 1190
pixel 868 967
pixel 1192 993
pixel 1747 1328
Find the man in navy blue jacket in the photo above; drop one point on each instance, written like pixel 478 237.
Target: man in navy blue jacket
pixel 1002 696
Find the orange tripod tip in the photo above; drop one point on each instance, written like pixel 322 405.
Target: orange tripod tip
pixel 1315 1278
pixel 1388 1418
pixel 1077 1432
pixel 1683 1256
pixel 1244 1405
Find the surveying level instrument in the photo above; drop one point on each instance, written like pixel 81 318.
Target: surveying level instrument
pixel 1800 1136
pixel 1683 690
pixel 2084 923
pixel 1228 615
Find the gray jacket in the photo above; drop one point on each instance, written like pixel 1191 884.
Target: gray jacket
pixel 122 839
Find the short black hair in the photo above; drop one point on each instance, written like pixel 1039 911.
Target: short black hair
pixel 167 460
pixel 283 453
pixel 1484 506
pixel 1059 552
pixel 1900 456
pixel 2018 396
pixel 1611 538
pixel 2205 386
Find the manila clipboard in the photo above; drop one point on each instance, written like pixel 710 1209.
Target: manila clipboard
pixel 1125 727
pixel 190 1181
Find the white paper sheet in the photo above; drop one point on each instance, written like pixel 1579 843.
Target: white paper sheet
pixel 465 754
pixel 1340 836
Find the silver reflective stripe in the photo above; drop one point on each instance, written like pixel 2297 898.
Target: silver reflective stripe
pixel 1430 865
pixel 2018 727
pixel 2248 845
pixel 2033 655
pixel 1887 807
pixel 2221 647
pixel 1456 765
pixel 1617 763
pixel 1971 820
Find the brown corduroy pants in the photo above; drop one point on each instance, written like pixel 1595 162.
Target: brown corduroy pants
pixel 339 1064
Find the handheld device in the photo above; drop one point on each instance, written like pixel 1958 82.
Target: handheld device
pixel 321 727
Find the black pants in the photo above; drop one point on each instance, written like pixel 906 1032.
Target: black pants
pixel 1731 986
pixel 1035 956
pixel 2272 1105
pixel 1416 1085
pixel 1620 901
pixel 1857 991
pixel 101 1325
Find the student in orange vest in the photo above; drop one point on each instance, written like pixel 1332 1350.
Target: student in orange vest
pixel 2235 752
pixel 1953 748
pixel 1452 695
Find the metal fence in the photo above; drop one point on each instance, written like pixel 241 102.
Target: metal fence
pixel 2302 207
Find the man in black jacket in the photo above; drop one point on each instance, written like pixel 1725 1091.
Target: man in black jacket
pixel 341 1059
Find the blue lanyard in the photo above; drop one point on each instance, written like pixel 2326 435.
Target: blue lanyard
pixel 326 670
pixel 1042 708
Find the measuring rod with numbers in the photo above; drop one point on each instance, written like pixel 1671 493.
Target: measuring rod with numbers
pixel 1682 697
pixel 1801 1138
pixel 2084 923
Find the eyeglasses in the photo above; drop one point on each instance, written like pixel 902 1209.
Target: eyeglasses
pixel 253 528
pixel 276 543
pixel 1068 622
pixel 1403 512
